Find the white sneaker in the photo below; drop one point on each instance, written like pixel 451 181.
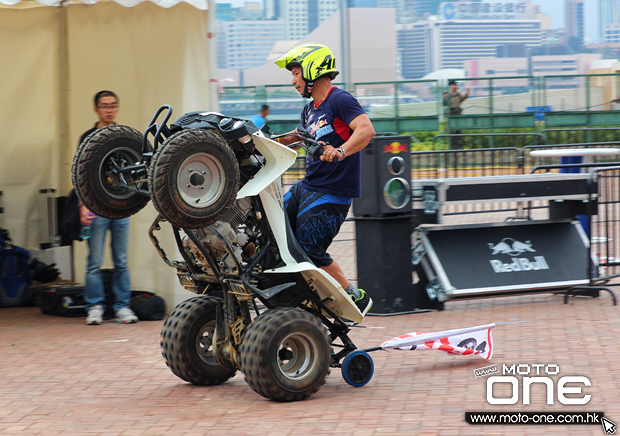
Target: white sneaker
pixel 126 316
pixel 95 316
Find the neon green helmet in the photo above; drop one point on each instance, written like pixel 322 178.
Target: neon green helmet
pixel 316 60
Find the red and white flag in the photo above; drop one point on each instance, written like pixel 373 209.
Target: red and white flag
pixel 473 340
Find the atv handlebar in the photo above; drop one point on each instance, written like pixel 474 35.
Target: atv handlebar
pixel 313 148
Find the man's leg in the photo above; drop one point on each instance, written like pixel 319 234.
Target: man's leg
pixel 94 296
pixel 121 286
pixel 318 218
pixel 359 296
pixel 336 272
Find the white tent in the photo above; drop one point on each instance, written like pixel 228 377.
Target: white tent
pixel 55 57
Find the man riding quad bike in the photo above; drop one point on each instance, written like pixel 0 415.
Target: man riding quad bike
pixel 262 307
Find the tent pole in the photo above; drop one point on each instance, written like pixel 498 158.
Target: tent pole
pixel 63 98
pixel 214 84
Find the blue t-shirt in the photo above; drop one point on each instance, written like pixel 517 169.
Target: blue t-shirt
pixel 259 120
pixel 330 123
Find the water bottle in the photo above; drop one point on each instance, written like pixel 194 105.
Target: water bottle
pixel 85 232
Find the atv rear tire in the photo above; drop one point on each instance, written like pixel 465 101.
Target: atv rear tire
pixel 93 176
pixel 285 354
pixel 187 342
pixel 193 178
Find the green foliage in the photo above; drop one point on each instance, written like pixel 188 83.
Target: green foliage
pixel 424 141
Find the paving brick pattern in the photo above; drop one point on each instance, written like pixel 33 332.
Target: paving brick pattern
pixel 61 377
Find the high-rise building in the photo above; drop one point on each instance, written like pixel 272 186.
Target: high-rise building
pixel 245 44
pixel 608 19
pixel 300 16
pixel 424 7
pixel 612 33
pixel 463 31
pixel 574 19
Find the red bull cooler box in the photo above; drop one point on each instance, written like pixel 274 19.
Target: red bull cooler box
pixel 475 260
pixel 464 261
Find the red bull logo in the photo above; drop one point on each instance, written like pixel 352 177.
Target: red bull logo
pixel 512 247
pixel 395 148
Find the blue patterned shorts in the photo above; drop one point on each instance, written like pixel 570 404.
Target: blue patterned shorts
pixel 316 218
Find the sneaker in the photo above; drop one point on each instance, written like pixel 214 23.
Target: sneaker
pixel 363 303
pixel 126 316
pixel 95 315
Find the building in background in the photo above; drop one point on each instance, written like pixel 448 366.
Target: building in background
pixel 300 16
pixel 608 19
pixel 249 11
pixel 465 30
pixel 612 33
pixel 574 20
pixel 370 58
pixel 245 44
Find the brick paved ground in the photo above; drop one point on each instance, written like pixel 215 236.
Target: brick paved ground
pixel 61 377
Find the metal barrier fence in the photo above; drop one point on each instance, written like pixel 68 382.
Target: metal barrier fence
pixel 417 105
pixel 464 163
pixel 529 161
pixel 489 140
pixel 604 225
pixel 601 224
pixel 443 164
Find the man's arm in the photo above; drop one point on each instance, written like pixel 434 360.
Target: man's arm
pixel 288 138
pixel 464 96
pixel 363 132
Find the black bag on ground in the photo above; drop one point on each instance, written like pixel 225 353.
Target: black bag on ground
pixel 147 306
pixel 14 273
pixel 62 299
pixel 67 299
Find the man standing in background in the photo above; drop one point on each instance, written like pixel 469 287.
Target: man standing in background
pixel 106 108
pixel 452 100
pixel 259 119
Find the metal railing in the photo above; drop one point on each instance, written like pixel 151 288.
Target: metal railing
pixel 488 140
pixel 494 103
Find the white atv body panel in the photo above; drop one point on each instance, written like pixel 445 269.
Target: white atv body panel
pixel 278 158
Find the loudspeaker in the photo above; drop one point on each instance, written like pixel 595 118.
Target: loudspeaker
pixel 386 177
pixel 384 267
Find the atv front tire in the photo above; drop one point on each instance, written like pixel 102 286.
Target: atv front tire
pixel 95 176
pixel 187 342
pixel 285 354
pixel 193 178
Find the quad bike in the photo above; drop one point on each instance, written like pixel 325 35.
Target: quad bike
pixel 262 307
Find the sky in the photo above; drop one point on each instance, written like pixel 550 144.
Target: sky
pixel 553 8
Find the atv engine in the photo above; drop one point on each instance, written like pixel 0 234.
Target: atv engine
pixel 230 228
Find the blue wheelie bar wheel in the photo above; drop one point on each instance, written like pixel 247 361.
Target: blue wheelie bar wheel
pixel 357 368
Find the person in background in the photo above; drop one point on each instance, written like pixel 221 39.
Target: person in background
pixel 318 204
pixel 452 100
pixel 106 108
pixel 259 119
